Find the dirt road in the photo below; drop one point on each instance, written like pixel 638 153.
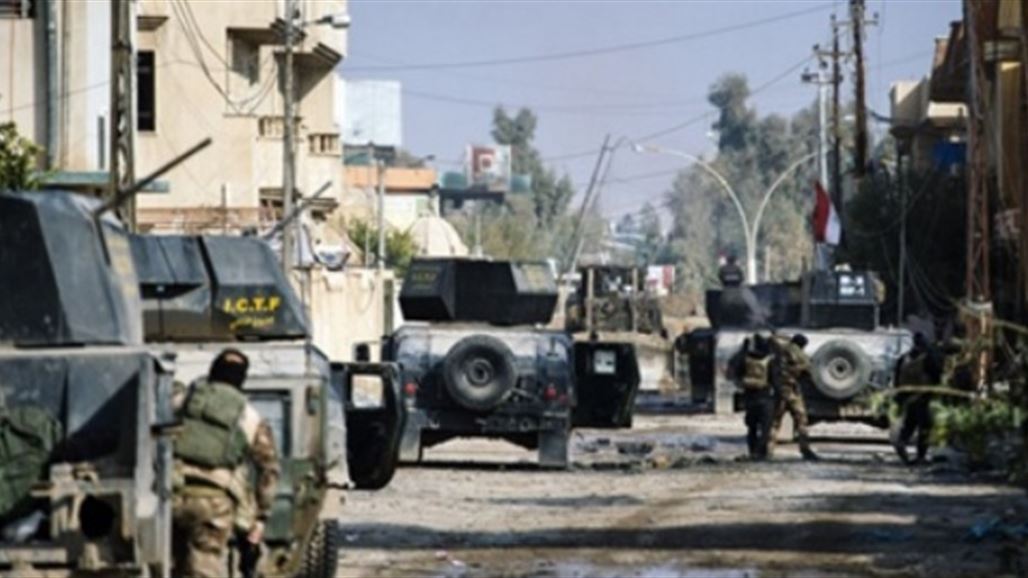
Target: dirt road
pixel 669 499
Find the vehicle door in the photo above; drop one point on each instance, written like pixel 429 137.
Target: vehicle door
pixel 606 382
pixel 375 419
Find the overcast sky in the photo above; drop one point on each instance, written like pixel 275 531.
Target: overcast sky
pixel 605 87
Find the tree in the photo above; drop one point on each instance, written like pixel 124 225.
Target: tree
pixel 17 160
pixel 735 119
pixel 550 195
pixel 652 241
pixel 400 245
pixel 753 151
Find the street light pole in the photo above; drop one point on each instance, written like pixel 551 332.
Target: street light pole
pixel 288 140
pixel 774 186
pixel 751 251
pixel 750 232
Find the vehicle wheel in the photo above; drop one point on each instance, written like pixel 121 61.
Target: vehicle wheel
pixel 479 372
pixel 841 369
pixel 321 558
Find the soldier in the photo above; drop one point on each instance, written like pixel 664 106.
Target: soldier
pixel 730 274
pixel 754 367
pixel 795 367
pixel 919 367
pixel 221 432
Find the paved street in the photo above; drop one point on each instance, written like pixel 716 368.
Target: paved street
pixel 669 499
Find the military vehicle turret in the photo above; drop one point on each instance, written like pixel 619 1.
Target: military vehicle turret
pixel 202 293
pixel 475 361
pixel 85 460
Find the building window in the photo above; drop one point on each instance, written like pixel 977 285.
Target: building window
pixel 146 101
pixel 246 60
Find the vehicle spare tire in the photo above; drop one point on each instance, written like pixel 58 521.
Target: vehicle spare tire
pixel 479 372
pixel 840 369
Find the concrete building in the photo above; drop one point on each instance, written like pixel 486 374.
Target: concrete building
pixel 409 193
pixel 930 133
pixel 204 69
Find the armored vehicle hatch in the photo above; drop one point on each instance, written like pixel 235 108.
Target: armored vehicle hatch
pixel 78 267
pixel 214 289
pixel 498 293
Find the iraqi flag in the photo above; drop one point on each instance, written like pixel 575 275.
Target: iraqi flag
pixel 827 227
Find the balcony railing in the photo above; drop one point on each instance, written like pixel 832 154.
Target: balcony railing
pixel 274 126
pixel 16 8
pixel 325 143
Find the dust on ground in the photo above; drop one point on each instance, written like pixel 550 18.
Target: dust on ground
pixel 671 499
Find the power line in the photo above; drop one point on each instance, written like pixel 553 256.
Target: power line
pixel 630 46
pixel 693 120
pixel 591 91
pixel 573 109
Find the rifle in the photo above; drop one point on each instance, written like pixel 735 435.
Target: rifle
pixel 249 558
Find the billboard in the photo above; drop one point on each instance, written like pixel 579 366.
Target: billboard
pixel 660 279
pixel 488 167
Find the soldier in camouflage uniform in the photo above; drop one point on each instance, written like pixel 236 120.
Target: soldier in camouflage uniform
pixel 755 370
pixel 222 436
pixel 922 366
pixel 795 367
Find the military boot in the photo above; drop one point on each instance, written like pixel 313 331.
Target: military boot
pixel 805 450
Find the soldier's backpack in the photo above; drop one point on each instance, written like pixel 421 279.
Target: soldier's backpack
pixel 913 371
pixel 27 438
pixel 756 372
pixel 211 435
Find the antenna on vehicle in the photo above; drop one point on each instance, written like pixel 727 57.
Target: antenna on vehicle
pixel 124 194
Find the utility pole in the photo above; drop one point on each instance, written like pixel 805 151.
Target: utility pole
pixel 823 252
pixel 860 134
pixel 123 125
pixel 820 79
pixel 979 293
pixel 836 192
pixel 902 281
pixel 578 235
pixel 835 186
pixel 288 137
pixel 977 281
pixel 380 252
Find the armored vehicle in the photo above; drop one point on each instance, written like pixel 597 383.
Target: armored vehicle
pixel 201 294
pixel 852 354
pixel 611 303
pixel 85 457
pixel 481 365
pixel 611 298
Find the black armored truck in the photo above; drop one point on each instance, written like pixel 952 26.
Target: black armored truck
pixel 852 354
pixel 85 406
pixel 474 360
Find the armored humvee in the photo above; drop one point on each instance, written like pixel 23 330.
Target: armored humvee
pixel 852 355
pixel 201 294
pixel 97 480
pixel 475 361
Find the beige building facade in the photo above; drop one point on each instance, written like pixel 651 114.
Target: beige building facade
pixel 209 69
